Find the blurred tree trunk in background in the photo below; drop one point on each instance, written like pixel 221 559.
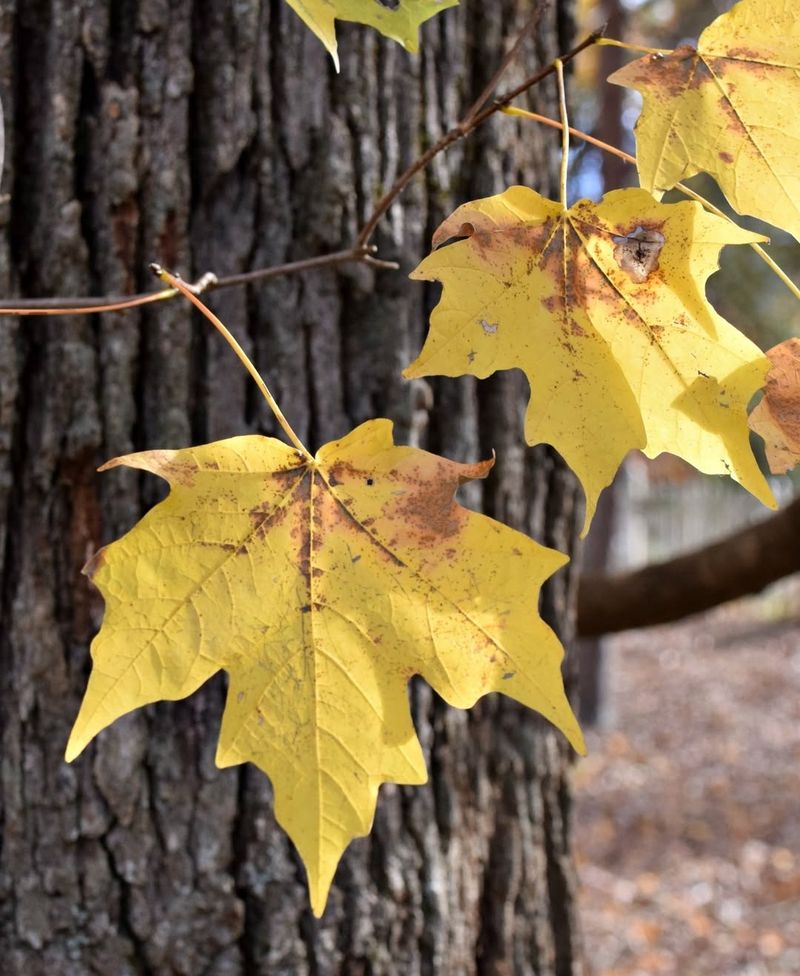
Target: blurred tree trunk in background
pixel 615 173
pixel 216 136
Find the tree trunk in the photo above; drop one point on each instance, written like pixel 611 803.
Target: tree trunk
pixel 216 136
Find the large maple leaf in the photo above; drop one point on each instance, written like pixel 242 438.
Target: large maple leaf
pixel 399 20
pixel 728 108
pixel 321 587
pixel 603 306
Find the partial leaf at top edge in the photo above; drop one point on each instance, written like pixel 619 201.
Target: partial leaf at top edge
pixel 728 108
pixel 400 21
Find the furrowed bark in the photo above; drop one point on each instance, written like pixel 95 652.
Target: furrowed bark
pixel 207 135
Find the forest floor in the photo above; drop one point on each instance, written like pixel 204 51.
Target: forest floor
pixel 687 821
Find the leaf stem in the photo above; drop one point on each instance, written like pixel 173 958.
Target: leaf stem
pixel 688 191
pixel 562 107
pixel 187 292
pixel 611 42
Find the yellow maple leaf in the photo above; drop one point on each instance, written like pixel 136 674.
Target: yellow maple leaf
pixel 400 21
pixel 321 587
pixel 603 306
pixel 776 418
pixel 728 108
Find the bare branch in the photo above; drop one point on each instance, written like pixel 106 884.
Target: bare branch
pixel 740 565
pixel 362 252
pixel 461 131
pixel 207 283
pixel 530 26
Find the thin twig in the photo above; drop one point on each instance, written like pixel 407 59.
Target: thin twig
pixel 460 131
pixel 362 252
pixel 530 26
pixel 209 282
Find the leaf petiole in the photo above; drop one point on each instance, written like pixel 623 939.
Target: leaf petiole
pixel 181 287
pixel 611 42
pixel 565 130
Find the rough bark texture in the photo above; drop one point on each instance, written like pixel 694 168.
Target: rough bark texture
pixel 210 135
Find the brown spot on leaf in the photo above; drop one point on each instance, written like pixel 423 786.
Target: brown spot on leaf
pixel 576 329
pixel 726 157
pixel 637 251
pixel 749 54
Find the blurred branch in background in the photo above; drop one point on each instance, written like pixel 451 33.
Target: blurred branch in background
pixel 739 565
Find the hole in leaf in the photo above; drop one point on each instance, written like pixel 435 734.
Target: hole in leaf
pixel 637 252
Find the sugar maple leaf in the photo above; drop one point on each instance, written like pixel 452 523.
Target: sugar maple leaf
pixel 321 588
pixel 728 108
pixel 776 418
pixel 400 20
pixel 603 306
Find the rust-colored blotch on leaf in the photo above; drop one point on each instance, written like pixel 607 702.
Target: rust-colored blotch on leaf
pixel 321 586
pixel 777 416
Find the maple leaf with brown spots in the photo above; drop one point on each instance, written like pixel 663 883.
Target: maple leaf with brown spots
pixel 603 306
pixel 321 585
